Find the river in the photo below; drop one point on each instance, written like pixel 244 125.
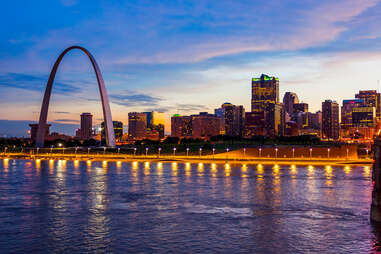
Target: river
pixel 141 207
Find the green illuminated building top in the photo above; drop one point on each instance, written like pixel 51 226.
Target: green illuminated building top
pixel 265 78
pixel 176 115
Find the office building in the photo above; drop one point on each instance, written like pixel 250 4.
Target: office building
pixel 289 100
pixel 371 99
pixel 233 117
pixel 300 107
pixel 155 124
pixel 181 126
pixel 118 130
pixel 206 125
pixel 86 130
pixel 330 120
pixel 137 125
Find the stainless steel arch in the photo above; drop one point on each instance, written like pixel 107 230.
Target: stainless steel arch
pixel 109 129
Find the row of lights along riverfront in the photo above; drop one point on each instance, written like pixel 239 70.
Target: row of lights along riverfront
pixel 202 152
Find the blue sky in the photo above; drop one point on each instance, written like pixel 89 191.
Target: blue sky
pixel 182 56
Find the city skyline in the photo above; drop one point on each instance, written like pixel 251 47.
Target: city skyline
pixel 187 70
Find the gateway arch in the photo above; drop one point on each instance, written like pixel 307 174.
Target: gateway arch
pixel 109 129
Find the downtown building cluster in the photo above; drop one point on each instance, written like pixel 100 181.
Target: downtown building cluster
pixel 269 117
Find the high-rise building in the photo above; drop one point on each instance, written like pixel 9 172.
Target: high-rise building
pixel 314 120
pixel 137 125
pixel 254 124
pixel 206 125
pixel 265 91
pixel 289 100
pixel 371 99
pixel 233 117
pixel 364 117
pixel 346 112
pixel 155 123
pixel 118 130
pixel 300 107
pixel 330 120
pixel 86 130
pixel 34 129
pixel 265 102
pixel 181 126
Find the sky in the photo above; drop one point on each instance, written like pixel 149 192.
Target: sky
pixel 180 56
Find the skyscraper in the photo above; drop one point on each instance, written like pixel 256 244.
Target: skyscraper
pixel 346 112
pixel 265 102
pixel 155 123
pixel 330 120
pixel 206 125
pixel 371 99
pixel 233 118
pixel 137 125
pixel 300 107
pixel 289 100
pixel 118 130
pixel 86 130
pixel 181 126
pixel 265 91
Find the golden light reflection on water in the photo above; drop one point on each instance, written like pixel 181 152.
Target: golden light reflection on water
pixel 38 164
pixel 227 169
pixel 276 170
pixel 310 169
pixel 76 164
pixel 293 170
pixel 200 169
pixel 6 164
pixel 366 171
pixel 174 169
pixel 260 170
pixel 187 169
pixel 51 165
pixel 135 165
pixel 347 170
pixel 147 167
pixel 159 168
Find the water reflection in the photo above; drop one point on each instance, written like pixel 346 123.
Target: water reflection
pixel 244 203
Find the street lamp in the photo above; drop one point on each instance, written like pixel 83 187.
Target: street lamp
pixel 88 151
pixel 244 152
pixel 293 152
pixel 104 150
pixel 347 153
pixel 134 151
pixel 276 152
pixel 5 150
pixel 367 153
pixel 214 149
pixel 118 150
pixel 187 151
pixel 311 153
pixel 174 151
pixel 227 150
pixel 159 151
pixel 200 151
pixel 328 150
pixel 76 150
pixel 146 151
pixel 260 152
pixel 51 149
pixel 37 150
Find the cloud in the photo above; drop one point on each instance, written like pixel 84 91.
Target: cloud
pixel 190 107
pixel 129 98
pixel 62 112
pixel 34 83
pixel 66 121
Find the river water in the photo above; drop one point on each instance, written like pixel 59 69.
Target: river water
pixel 141 207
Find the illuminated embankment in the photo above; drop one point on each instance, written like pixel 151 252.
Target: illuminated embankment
pixel 231 158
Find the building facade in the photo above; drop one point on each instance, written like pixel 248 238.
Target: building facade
pixel 289 99
pixel 137 125
pixel 86 130
pixel 181 126
pixel 233 116
pixel 330 120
